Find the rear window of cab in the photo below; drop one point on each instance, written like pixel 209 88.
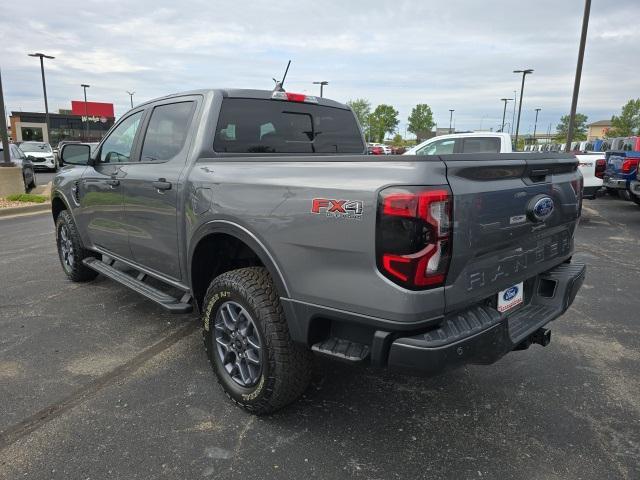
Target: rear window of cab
pixel 273 126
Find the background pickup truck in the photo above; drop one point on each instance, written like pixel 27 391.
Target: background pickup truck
pixel 262 211
pixel 622 165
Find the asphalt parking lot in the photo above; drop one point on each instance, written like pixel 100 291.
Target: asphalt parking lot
pixel 97 382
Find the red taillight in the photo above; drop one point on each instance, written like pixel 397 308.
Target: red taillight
pixel 601 165
pixel 629 164
pixel 413 242
pixel 294 97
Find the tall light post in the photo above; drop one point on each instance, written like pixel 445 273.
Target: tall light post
pixel 513 115
pixel 131 94
pixel 4 138
pixel 42 56
pixel 450 118
pixel 524 74
pixel 576 83
pixel 86 112
pixel 535 125
pixel 322 84
pixel 504 111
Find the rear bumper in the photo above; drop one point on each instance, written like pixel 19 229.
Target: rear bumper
pixel 612 182
pixel 590 192
pixel 483 335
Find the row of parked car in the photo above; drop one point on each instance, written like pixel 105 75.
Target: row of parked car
pixel 611 164
pixel 33 156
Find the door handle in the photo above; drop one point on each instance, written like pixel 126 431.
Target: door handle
pixel 161 184
pixel 114 182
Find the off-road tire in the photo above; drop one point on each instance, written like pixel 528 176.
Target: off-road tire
pixel 77 271
pixel 285 365
pixel 635 198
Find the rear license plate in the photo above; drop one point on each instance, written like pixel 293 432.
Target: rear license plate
pixel 510 297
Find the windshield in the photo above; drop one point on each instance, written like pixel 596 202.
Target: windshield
pixel 271 126
pixel 35 147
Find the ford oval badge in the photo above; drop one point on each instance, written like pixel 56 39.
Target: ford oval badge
pixel 541 208
pixel 510 293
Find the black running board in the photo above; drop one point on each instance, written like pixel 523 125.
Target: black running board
pixel 342 349
pixel 168 302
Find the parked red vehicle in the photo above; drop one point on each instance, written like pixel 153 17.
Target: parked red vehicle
pixel 375 150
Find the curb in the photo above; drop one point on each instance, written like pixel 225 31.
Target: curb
pixel 42 207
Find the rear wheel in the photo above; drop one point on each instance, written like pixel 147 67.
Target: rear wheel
pixel 248 343
pixel 635 198
pixel 71 251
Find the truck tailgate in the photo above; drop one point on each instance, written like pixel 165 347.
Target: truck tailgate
pixel 501 234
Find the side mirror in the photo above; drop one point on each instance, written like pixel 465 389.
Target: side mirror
pixel 75 154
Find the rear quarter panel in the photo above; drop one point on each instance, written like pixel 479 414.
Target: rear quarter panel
pixel 325 260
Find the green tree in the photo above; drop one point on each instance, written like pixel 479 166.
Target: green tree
pixel 397 141
pixel 628 123
pixel 362 108
pixel 579 130
pixel 421 121
pixel 383 120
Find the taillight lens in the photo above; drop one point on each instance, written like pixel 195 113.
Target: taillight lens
pixel 629 164
pixel 413 242
pixel 601 165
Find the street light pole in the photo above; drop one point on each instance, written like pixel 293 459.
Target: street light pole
pixel 576 84
pixel 131 97
pixel 524 74
pixel 450 118
pixel 504 111
pixel 322 84
pixel 86 114
pixel 42 56
pixel 4 138
pixel 535 125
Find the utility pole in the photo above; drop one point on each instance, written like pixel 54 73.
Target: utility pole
pixel 535 125
pixel 44 88
pixel 322 84
pixel 576 84
pixel 524 74
pixel 504 111
pixel 131 97
pixel 4 138
pixel 86 110
pixel 450 118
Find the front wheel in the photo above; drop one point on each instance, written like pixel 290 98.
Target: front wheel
pixel 71 251
pixel 248 343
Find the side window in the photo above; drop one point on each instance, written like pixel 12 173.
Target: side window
pixel 439 147
pixel 481 145
pixel 167 131
pixel 117 147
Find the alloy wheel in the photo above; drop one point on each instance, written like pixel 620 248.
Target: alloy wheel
pixel 238 344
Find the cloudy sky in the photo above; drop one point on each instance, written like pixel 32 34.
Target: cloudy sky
pixel 450 54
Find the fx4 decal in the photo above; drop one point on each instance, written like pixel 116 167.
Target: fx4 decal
pixel 338 208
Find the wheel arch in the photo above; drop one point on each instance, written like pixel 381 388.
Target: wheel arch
pixel 217 229
pixel 58 204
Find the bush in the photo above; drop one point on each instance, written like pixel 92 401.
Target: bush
pixel 27 197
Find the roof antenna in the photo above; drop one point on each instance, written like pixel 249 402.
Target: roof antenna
pixel 279 84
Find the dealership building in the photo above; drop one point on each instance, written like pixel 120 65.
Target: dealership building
pixel 65 125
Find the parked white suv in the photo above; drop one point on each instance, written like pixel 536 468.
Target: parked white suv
pixel 474 142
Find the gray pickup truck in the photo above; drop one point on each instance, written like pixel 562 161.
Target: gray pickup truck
pixel 262 211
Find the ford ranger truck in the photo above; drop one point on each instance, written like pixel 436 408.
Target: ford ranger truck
pixel 261 211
